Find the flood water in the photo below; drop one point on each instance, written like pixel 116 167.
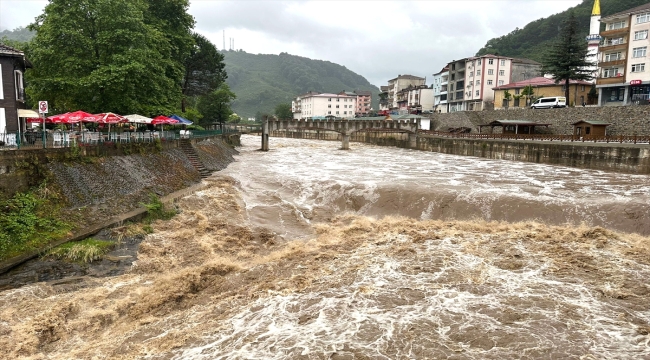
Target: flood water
pixel 310 252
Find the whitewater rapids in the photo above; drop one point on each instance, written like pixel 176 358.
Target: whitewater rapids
pixel 309 252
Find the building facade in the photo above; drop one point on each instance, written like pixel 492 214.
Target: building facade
pixel 320 106
pixel 484 73
pixel 384 101
pixel 456 85
pixel 593 39
pixel 364 101
pixel 622 58
pixel 440 86
pixel 12 87
pixel 398 84
pixel 542 87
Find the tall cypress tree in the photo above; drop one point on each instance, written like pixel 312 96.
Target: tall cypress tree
pixel 567 58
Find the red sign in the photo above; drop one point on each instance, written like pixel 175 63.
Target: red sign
pixel 635 82
pixel 42 107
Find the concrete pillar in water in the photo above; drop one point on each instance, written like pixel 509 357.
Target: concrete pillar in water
pixel 265 136
pixel 345 143
pixel 413 141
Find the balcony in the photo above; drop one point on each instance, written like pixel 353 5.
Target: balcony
pixel 610 80
pixel 611 63
pixel 608 46
pixel 613 32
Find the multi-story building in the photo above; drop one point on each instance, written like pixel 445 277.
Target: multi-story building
pixel 484 73
pixel 440 85
pixel 12 89
pixel 398 84
pixel 364 101
pixel 622 58
pixel 316 106
pixel 384 102
pixel 456 85
pixel 593 39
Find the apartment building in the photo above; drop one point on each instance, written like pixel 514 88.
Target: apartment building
pixel 364 101
pixel 440 85
pixel 318 106
pixel 384 102
pixel 485 72
pixel 398 84
pixel 415 100
pixel 622 58
pixel 456 85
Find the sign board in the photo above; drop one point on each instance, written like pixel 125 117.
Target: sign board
pixel 635 82
pixel 42 107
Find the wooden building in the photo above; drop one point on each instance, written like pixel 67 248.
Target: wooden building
pixel 513 126
pixel 590 128
pixel 12 87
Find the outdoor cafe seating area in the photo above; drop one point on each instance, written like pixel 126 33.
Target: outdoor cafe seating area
pixel 83 129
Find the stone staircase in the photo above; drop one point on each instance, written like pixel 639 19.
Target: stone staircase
pixel 188 150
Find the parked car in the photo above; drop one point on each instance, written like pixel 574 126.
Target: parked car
pixel 549 102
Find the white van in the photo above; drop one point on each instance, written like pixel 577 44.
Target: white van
pixel 549 102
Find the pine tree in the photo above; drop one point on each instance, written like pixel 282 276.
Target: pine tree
pixel 567 58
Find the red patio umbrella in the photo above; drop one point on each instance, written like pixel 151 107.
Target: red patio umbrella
pixel 110 118
pixel 163 120
pixel 34 120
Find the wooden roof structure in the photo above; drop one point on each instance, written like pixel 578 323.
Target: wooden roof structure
pixel 529 125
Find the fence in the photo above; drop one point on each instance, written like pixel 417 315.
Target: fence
pixel 59 139
pixel 635 139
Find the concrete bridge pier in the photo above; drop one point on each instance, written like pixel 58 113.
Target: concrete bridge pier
pixel 413 141
pixel 345 142
pixel 265 136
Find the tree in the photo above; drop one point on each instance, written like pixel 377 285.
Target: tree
pixel 204 69
pixel 283 111
pixel 592 95
pixel 215 106
pixel 506 96
pixel 101 56
pixel 567 60
pixel 527 92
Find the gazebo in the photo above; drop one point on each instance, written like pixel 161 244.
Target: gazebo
pixel 514 126
pixel 590 127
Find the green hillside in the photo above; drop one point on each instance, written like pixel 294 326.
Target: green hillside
pixel 263 81
pixel 534 39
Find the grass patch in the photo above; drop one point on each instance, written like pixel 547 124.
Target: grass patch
pixel 31 220
pixel 85 251
pixel 156 210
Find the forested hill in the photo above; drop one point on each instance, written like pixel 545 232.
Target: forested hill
pixel 263 81
pixel 534 39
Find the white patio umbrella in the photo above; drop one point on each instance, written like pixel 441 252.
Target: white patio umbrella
pixel 138 119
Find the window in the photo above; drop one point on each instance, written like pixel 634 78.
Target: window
pixel 337 99
pixel 478 82
pixel 330 99
pixel 329 113
pixel 582 88
pixel 503 63
pixel 490 72
pixel 613 56
pixel 477 92
pixel 517 91
pixel 500 82
pixel 471 74
pixel 329 105
pixel 470 84
pixel 490 61
pixel 502 72
pixel 478 72
pixel 639 52
pixel 479 62
pixel 641 35
pixel 638 67
pixel 587 130
pixel 617 25
pixel 489 82
pixel 611 72
pixel 337 113
pixel 20 88
pixel 642 18
pixel 345 113
pixel 337 106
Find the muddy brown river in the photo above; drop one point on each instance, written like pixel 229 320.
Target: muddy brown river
pixel 310 252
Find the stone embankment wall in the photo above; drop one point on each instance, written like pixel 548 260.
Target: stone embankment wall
pixel 104 185
pixel 625 120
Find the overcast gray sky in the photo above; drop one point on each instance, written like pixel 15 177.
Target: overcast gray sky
pixel 376 39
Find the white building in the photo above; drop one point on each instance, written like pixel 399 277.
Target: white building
pixel 317 106
pixel 440 83
pixel 400 83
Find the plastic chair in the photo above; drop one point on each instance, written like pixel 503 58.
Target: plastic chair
pixel 57 139
pixel 10 140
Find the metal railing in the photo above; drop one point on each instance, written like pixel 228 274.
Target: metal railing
pixel 63 139
pixel 635 139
